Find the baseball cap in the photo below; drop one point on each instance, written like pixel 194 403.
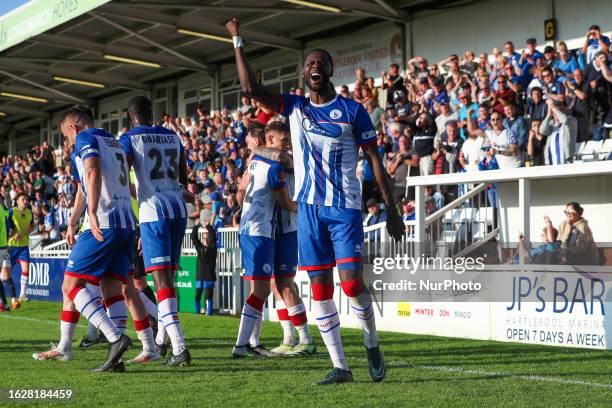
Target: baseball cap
pixel 531 40
pixel 398 95
pixel 371 202
pixel 548 48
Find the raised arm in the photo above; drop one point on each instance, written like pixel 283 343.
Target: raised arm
pixel 472 128
pixel 248 82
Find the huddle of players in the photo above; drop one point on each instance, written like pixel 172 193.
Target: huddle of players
pixel 326 130
pixel 99 278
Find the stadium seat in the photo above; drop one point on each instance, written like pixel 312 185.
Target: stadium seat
pixel 605 150
pixel 590 151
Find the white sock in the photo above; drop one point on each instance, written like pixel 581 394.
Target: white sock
pixel 289 334
pixel 24 285
pixel 68 325
pixel 117 311
pixel 92 331
pixel 254 340
pixel 162 335
pixel 329 326
pixel 297 314
pixel 169 318
pixel 145 335
pixel 150 306
pixel 362 307
pixel 248 319
pixel 91 307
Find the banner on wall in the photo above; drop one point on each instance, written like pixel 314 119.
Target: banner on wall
pixel 184 282
pixel 372 50
pixel 45 281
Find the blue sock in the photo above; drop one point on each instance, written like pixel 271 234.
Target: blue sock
pixel 198 305
pixel 209 307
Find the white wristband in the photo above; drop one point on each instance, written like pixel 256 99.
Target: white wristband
pixel 237 41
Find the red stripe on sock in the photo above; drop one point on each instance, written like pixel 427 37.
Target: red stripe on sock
pixel 73 292
pixel 112 300
pixel 69 316
pixel 255 302
pixel 299 319
pixel 321 291
pixel 26 274
pixel 165 293
pixel 141 325
pixel 283 314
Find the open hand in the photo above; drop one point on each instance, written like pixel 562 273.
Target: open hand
pixel 94 226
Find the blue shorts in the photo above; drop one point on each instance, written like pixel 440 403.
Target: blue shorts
pixel 204 284
pixel 286 255
pixel 91 259
pixel 161 243
pixel 328 236
pixel 257 257
pixel 17 254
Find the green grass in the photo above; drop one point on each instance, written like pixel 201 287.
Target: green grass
pixel 493 373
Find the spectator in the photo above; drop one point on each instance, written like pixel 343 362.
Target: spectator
pixel 517 125
pixel 594 43
pixel 444 116
pixel 561 131
pixel 545 254
pixel 376 114
pixel 577 244
pixel 404 163
pixel 536 107
pixel 536 145
pixel 447 149
pixel 408 213
pixel 392 81
pixel 503 142
pixel 423 142
pixel 375 216
pixel 580 103
pixel 206 249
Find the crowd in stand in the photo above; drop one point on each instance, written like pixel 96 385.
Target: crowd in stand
pixel 462 114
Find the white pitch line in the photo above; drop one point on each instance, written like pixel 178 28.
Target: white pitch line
pixel 526 377
pixel 445 369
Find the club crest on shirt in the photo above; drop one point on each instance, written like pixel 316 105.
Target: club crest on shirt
pixel 335 114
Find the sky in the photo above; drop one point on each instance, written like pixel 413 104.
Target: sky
pixel 8 5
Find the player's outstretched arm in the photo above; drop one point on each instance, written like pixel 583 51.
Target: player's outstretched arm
pixel 395 225
pixel 248 82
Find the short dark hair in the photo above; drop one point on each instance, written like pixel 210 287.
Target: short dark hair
pixel 140 105
pixel 258 131
pixel 576 207
pixel 277 126
pixel 394 65
pixel 322 51
pixel 81 113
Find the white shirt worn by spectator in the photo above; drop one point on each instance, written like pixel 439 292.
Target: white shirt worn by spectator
pixel 472 152
pixel 501 142
pixel 441 122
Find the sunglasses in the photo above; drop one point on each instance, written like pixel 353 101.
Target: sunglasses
pixel 569 212
pixel 495 120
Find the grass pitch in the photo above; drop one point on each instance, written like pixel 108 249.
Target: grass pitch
pixel 423 371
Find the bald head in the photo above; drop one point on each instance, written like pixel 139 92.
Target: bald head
pixel 140 111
